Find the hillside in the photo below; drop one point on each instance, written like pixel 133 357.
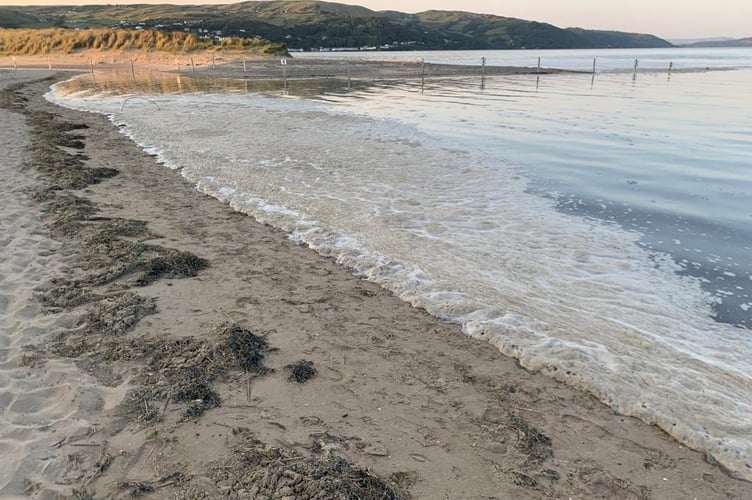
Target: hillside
pixel 309 25
pixel 739 42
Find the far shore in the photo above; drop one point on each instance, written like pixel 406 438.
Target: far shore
pixel 253 66
pixel 232 65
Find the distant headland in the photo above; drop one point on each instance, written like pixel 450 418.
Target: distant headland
pixel 315 25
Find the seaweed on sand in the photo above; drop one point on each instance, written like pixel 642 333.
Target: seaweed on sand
pixel 532 442
pixel 192 386
pixel 65 169
pixel 67 212
pixel 50 135
pixel 64 294
pixel 258 471
pixel 67 126
pixel 71 215
pixel 82 494
pixel 246 347
pixel 183 370
pixel 341 479
pixel 118 314
pixel 301 371
pixel 180 370
pixel 136 488
pixel 112 259
pixel 110 228
pixel 537 448
pixel 171 264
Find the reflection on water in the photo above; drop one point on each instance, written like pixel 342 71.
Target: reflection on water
pixel 663 155
pixel 126 82
pixel 620 148
pixel 607 60
pixel 416 185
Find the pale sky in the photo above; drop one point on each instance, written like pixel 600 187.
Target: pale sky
pixel 665 18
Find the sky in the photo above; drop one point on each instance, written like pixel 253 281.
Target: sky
pixel 665 18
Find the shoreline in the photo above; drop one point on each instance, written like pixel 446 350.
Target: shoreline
pixel 428 410
pixel 239 66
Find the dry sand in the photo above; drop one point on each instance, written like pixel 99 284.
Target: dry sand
pixel 196 311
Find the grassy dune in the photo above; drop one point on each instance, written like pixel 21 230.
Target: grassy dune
pixel 30 42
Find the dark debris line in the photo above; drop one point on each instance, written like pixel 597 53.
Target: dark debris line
pixel 182 370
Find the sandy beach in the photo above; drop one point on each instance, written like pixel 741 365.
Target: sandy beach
pixel 166 346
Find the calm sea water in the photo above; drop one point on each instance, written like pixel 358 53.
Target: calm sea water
pixel 595 228
pixel 607 60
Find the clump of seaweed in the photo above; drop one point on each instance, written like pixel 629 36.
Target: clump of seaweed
pixel 95 349
pixel 246 347
pixel 109 229
pixel 66 212
pixel 113 259
pixel 82 494
pixel 11 99
pixel 532 442
pixel 191 386
pixel 341 479
pixel 109 255
pixel 259 471
pixel 86 176
pixel 68 126
pixel 183 370
pixel 62 294
pixel 136 488
pixel 301 371
pixel 118 314
pixel 172 264
pixel 133 263
pixel 65 169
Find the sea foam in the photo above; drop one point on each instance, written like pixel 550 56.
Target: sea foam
pixel 456 232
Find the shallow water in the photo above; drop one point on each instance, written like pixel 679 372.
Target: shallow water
pixel 606 60
pixel 542 214
pixel 667 157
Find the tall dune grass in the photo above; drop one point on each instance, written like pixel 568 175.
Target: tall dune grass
pixel 64 41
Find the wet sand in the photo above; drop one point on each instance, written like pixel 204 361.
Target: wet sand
pixel 182 319
pixel 357 69
pixel 237 66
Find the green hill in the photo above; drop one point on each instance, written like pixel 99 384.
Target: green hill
pixel 12 17
pixel 312 24
pixel 739 42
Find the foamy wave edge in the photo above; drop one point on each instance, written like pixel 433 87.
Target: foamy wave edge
pixel 514 335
